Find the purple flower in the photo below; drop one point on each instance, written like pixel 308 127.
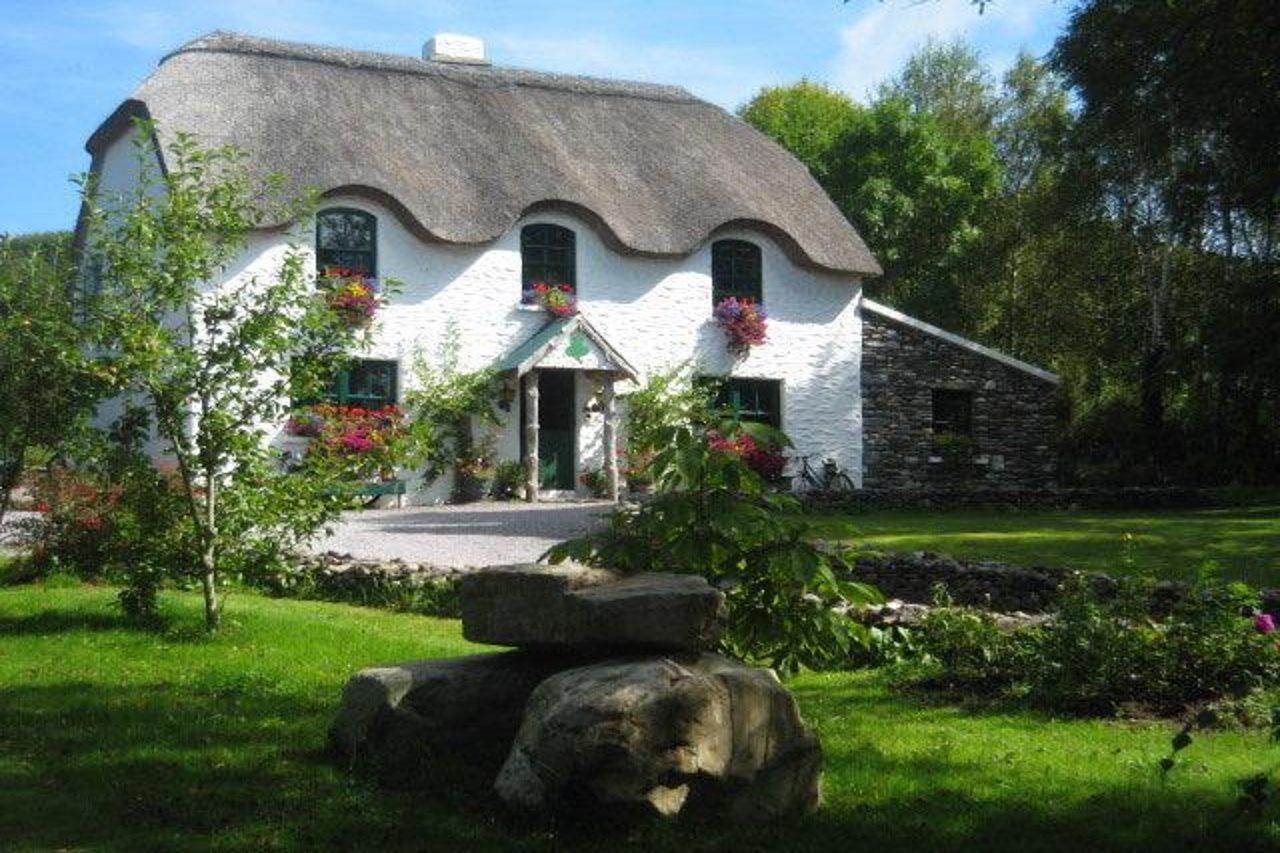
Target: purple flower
pixel 1265 623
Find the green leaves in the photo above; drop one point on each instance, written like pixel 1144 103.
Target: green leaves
pixel 715 517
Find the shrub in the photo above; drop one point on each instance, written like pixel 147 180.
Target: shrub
pixel 1097 657
pixel 596 481
pixel 714 516
pixel 508 480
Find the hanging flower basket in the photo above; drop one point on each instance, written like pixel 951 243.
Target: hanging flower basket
pixel 744 322
pixel 351 295
pixel 558 299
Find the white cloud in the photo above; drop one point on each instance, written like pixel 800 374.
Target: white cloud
pixel 873 48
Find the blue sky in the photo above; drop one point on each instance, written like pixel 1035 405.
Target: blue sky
pixel 68 63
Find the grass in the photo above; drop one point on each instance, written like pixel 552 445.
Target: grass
pixel 1244 542
pixel 116 739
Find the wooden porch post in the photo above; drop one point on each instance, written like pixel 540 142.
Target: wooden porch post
pixel 610 437
pixel 531 436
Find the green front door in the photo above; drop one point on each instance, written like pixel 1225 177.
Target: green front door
pixel 556 420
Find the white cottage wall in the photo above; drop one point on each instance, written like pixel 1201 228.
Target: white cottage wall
pixel 657 312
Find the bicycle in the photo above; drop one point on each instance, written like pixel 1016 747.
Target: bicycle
pixel 831 479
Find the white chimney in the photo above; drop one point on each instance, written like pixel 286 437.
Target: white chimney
pixel 452 47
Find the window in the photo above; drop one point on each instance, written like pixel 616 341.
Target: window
pixel 368 384
pixel 735 271
pixel 952 412
pixel 757 400
pixel 347 239
pixel 548 255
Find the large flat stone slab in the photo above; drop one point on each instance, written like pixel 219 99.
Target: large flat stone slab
pixel 696 735
pixel 568 605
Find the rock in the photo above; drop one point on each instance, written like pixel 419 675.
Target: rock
pixel 570 605
pixel 467 706
pixel 697 735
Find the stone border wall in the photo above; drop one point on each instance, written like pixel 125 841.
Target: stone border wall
pixel 1001 587
pixel 1015 414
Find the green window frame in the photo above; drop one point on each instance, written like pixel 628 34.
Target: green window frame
pixel 752 400
pixel 347 238
pixel 952 412
pixel 548 255
pixel 736 270
pixel 367 383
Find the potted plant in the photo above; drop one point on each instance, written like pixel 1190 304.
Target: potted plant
pixel 596 481
pixel 560 300
pixel 351 295
pixel 744 323
pixel 474 471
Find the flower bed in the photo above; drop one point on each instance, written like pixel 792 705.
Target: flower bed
pixel 744 323
pixel 561 300
pixel 351 295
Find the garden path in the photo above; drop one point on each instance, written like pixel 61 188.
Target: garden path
pixel 478 534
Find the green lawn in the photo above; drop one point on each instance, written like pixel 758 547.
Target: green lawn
pixel 1173 544
pixel 112 738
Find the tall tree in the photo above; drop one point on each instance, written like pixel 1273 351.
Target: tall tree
pixel 808 119
pixel 948 80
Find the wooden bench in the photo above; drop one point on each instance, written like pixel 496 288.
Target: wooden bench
pixel 375 490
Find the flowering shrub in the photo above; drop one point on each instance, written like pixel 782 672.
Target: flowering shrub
pixel 367 440
pixel 558 299
pixel 765 460
pixel 75 523
pixel 351 294
pixel 743 321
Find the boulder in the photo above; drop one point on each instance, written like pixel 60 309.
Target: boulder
pixel 469 707
pixel 696 735
pixel 569 605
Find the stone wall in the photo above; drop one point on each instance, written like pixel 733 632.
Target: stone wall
pixel 1014 414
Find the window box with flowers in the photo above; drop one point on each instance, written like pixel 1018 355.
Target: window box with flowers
pixel 559 300
pixel 368 442
pixel 351 295
pixel 744 323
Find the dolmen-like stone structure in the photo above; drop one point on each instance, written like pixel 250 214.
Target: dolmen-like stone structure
pixel 610 704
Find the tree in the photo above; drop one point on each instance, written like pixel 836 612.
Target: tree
pixel 1176 132
pixel 808 119
pixel 214 366
pixel 45 380
pixel 947 80
pixel 912 190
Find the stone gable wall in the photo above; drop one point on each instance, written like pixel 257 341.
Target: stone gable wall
pixel 1014 414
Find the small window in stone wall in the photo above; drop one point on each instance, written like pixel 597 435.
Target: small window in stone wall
pixel 952 414
pixel 736 271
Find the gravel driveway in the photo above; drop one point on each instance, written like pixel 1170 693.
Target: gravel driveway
pixel 480 534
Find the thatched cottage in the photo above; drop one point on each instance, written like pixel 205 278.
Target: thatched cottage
pixel 470 182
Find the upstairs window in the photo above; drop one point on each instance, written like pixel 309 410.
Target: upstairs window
pixel 952 413
pixel 735 271
pixel 365 383
pixel 755 400
pixel 347 239
pixel 548 255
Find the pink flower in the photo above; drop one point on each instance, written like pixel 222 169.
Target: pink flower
pixel 1265 623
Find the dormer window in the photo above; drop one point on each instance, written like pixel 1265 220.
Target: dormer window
pixel 735 271
pixel 347 239
pixel 548 255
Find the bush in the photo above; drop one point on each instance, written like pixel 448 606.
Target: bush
pixel 714 516
pixel 1097 657
pixel 401 589
pixel 508 481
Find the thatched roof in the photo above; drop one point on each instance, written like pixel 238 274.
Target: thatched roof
pixel 461 151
